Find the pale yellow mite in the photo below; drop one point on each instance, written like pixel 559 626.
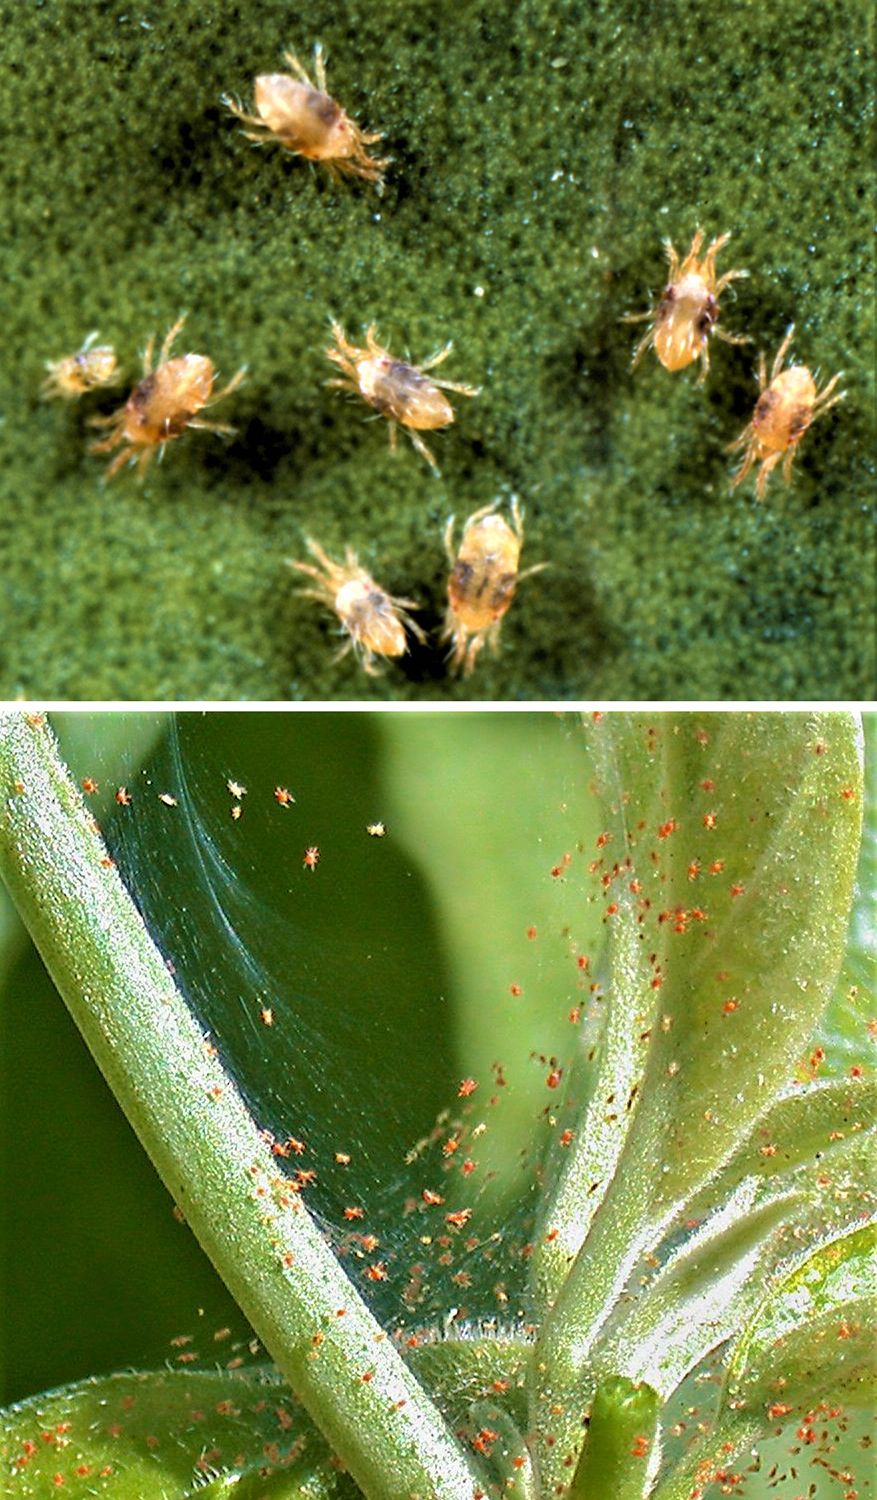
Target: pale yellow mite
pixel 484 576
pixel 374 620
pixel 783 412
pixel 401 392
pixel 303 117
pixel 687 315
pixel 90 368
pixel 166 402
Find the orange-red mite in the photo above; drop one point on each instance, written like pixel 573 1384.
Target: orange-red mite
pixel 484 576
pixel 87 370
pixel 163 405
pixel 304 118
pixel 688 311
pixel 401 392
pixel 374 620
pixel 783 412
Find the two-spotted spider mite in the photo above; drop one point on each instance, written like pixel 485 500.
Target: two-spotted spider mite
pixel 401 392
pixel 166 402
pixel 484 576
pixel 374 620
pixel 688 312
pixel 90 368
pixel 783 412
pixel 305 119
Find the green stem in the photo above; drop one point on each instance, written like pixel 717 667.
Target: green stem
pixel 619 1457
pixel 202 1140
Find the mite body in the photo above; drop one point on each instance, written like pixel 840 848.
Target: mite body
pixel 783 412
pixel 688 312
pixel 166 402
pixel 374 620
pixel 90 368
pixel 484 576
pixel 305 119
pixel 401 392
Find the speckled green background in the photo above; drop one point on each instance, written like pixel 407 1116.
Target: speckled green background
pixel 542 150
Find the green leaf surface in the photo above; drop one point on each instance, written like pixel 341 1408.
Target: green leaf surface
pixel 805 1176
pixel 728 892
pixel 812 1337
pixel 541 151
pixel 807 1353
pixel 168 1435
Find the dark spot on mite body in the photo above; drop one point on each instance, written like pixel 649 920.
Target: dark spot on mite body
pixel 765 405
pixel 141 395
pixel 799 421
pixel 324 108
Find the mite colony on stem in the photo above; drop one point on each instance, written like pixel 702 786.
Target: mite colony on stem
pixel 301 116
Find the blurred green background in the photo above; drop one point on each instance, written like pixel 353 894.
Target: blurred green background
pixel 541 152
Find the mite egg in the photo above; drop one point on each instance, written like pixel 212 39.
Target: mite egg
pixel 305 119
pixel 484 576
pixel 783 412
pixel 163 405
pixel 91 367
pixel 688 312
pixel 374 621
pixel 401 392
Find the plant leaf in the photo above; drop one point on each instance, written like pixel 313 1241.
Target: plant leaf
pixel 168 1434
pixel 809 1345
pixel 802 1177
pixel 812 1337
pixel 735 876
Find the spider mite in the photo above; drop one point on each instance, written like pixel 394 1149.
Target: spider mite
pixel 311 858
pixel 87 370
pixel 374 620
pixel 783 412
pixel 688 311
pixel 163 405
pixel 305 119
pixel 402 393
pixel 484 576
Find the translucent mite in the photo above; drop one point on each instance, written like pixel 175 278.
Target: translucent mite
pixel 163 405
pixel 305 119
pixel 688 312
pixel 374 620
pixel 484 576
pixel 401 392
pixel 87 370
pixel 783 412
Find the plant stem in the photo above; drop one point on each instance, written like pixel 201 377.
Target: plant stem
pixel 619 1457
pixel 206 1147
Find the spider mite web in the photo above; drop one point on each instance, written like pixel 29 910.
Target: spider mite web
pixel 395 1008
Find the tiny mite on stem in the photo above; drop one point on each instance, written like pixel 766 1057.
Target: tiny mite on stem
pixel 305 119
pixel 166 402
pixel 401 392
pixel 783 412
pixel 688 312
